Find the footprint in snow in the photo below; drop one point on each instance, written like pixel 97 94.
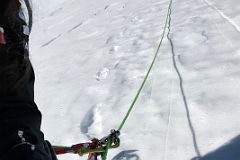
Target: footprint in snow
pixel 87 121
pixel 114 49
pixel 106 7
pixel 110 39
pixel 102 74
pixel 92 121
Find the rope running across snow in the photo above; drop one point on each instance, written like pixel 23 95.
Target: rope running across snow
pixel 145 78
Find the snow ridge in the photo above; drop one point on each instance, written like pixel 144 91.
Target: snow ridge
pixel 224 16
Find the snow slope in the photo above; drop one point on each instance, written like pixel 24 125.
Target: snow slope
pixel 91 57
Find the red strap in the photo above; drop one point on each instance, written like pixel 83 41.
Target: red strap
pixel 77 147
pixel 74 148
pixel 61 150
pixel 2 38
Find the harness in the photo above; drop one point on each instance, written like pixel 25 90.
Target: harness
pixel 94 149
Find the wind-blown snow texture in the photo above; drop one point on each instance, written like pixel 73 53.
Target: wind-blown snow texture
pixel 90 58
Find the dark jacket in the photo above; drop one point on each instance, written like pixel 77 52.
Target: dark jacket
pixel 20 119
pixel 20 122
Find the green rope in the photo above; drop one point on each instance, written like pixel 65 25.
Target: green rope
pixel 104 157
pixel 149 70
pixel 143 83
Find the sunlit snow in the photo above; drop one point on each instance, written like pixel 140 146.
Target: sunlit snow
pixel 90 58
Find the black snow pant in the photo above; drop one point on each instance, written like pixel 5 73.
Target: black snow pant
pixel 20 121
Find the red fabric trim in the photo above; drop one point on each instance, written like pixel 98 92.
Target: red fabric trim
pixel 2 38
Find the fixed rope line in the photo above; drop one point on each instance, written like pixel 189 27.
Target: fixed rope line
pixel 144 81
pixel 149 70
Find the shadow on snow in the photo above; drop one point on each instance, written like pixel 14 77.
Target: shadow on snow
pixel 229 151
pixel 127 155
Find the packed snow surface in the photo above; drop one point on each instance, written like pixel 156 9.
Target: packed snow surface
pixel 90 58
